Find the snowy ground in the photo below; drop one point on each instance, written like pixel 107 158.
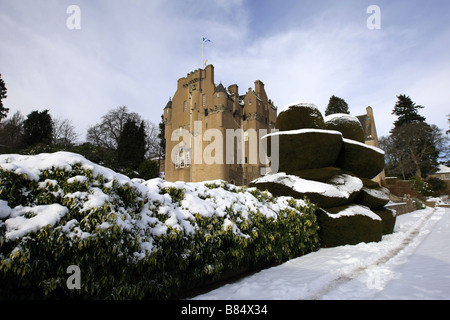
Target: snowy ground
pixel 411 263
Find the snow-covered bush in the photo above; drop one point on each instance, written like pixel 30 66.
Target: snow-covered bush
pixel 132 238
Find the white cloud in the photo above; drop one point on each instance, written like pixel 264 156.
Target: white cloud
pixel 132 53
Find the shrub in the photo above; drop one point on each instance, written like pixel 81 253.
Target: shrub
pixel 134 240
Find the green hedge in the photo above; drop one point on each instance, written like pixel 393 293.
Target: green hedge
pixel 125 246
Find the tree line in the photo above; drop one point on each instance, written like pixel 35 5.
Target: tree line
pixel 122 140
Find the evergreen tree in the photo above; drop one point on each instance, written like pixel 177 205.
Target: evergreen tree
pixel 336 105
pixel 132 144
pixel 148 169
pixel 407 111
pixel 448 118
pixel 162 139
pixel 3 111
pixel 38 128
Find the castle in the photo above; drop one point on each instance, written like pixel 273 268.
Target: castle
pixel 200 114
pixel 213 132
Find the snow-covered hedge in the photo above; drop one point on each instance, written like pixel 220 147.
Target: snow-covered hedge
pixel 132 238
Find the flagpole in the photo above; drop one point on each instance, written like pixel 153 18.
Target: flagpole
pixel 203 57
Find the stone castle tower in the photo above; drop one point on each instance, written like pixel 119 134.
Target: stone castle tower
pixel 200 114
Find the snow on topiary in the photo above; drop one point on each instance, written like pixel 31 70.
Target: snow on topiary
pixel 350 224
pixel 360 159
pixel 348 125
pixel 299 115
pixel 337 191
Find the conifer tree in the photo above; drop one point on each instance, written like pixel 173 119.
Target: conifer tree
pixel 3 111
pixel 336 105
pixel 38 128
pixel 414 143
pixel 162 139
pixel 407 111
pixel 132 144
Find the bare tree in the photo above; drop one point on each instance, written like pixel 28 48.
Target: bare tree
pixel 152 132
pixel 107 133
pixel 11 130
pixel 397 159
pixel 64 132
pixel 413 149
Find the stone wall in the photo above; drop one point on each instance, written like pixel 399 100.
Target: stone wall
pixel 407 205
pixel 401 187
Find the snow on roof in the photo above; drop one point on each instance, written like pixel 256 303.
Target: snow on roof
pixel 443 169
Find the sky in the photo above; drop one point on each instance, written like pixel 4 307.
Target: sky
pixel 133 52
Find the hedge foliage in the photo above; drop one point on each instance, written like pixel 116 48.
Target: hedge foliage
pixel 125 245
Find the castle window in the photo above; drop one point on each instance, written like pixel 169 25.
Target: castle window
pixel 188 159
pixel 204 100
pixel 206 112
pixel 185 106
pixel 182 159
pixel 249 101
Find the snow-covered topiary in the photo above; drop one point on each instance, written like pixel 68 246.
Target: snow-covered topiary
pixel 348 125
pixel 299 115
pixel 306 148
pixel 360 159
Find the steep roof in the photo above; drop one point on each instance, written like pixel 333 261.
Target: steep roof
pixel 220 88
pixel 443 169
pixel 169 104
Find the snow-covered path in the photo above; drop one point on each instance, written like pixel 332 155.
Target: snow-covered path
pixel 411 263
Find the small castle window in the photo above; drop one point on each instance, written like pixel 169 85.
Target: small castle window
pixel 185 106
pixel 188 159
pixel 249 101
pixel 182 159
pixel 206 112
pixel 204 100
